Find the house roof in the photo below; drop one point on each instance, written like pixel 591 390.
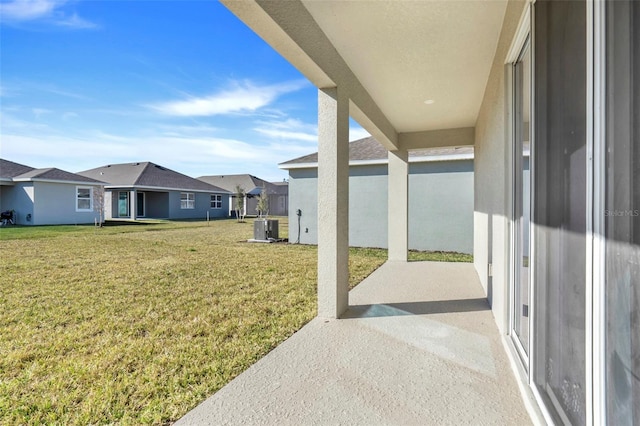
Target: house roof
pixel 19 172
pixel 148 175
pixel 370 151
pixel 251 184
pixel 56 174
pixel 9 169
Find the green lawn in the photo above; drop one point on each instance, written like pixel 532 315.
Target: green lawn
pixel 138 324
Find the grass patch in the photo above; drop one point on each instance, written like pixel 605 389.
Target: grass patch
pixel 138 324
pixel 439 256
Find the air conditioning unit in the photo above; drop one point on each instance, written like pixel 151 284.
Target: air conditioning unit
pixel 265 229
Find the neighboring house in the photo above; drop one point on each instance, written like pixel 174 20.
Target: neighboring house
pixel 557 254
pixel 147 190
pixel 47 196
pixel 281 202
pixel 440 197
pixel 252 186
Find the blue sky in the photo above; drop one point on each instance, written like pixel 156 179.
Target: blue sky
pixel 184 84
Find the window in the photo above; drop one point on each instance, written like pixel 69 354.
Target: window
pixel 216 201
pixel 84 198
pixel 187 200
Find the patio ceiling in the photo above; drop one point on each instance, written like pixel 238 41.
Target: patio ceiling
pixel 392 55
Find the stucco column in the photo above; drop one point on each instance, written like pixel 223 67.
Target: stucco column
pixel 133 198
pixel 333 202
pixel 398 199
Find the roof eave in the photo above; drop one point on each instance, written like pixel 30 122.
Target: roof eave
pixel 69 182
pixel 416 159
pixel 160 188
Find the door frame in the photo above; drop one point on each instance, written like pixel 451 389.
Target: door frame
pixel 143 204
pixel 522 39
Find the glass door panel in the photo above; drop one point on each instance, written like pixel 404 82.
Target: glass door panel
pixel 521 198
pixel 560 211
pixel 622 214
pixel 123 204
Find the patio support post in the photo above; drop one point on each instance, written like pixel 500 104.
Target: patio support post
pixel 398 200
pixel 333 202
pixel 133 198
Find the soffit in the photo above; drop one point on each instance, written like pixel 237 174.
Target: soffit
pixel 406 52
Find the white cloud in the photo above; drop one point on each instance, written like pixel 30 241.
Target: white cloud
pixel 191 155
pixel 39 112
pixel 241 97
pixel 295 130
pixel 49 11
pixel 356 133
pixel 69 115
pixel 74 21
pixel 8 122
pixel 179 130
pixel 28 10
pixel 281 134
pixel 194 150
pixel 289 129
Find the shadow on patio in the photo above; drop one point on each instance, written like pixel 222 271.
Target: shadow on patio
pixel 418 346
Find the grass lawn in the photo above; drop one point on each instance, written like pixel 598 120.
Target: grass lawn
pixel 138 324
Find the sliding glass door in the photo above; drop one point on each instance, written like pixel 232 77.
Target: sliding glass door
pixel 576 325
pixel 622 213
pixel 560 211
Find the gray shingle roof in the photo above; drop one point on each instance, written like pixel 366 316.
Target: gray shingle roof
pixel 56 174
pixel 250 183
pixel 368 149
pixel 149 175
pixel 11 170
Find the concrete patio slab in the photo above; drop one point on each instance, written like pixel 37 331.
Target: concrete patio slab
pixel 418 346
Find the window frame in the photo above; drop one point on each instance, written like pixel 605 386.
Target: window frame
pixel 216 201
pixel 90 198
pixel 187 200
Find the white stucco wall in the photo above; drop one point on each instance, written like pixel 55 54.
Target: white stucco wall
pixel 55 204
pixel 493 175
pixel 439 193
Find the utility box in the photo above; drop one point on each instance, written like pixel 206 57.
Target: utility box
pixel 264 229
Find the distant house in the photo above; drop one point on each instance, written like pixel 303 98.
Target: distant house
pixel 47 196
pixel 148 190
pixel 440 197
pixel 278 193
